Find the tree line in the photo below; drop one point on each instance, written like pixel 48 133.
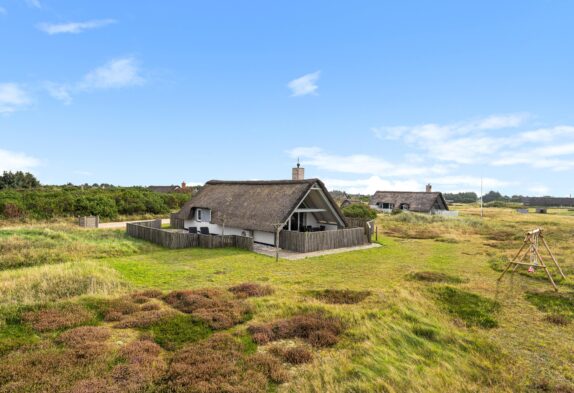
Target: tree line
pixel 22 196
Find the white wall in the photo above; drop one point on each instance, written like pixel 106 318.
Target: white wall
pixel 264 237
pixel 258 236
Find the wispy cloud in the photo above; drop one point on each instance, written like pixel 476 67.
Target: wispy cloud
pixel 370 185
pixel 33 3
pixel 13 161
pixel 118 73
pixel 361 164
pixel 115 74
pixel 13 97
pixel 73 27
pixel 474 142
pixel 3 11
pixel 305 85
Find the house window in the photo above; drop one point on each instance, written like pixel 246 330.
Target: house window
pixel 198 214
pixel 405 206
pixel 386 205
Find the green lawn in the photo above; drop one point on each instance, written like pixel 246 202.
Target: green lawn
pixel 460 330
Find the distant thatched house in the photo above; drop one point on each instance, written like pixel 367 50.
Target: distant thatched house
pixel 421 202
pixel 349 202
pixel 259 208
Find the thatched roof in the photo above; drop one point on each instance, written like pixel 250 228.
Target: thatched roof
pixel 418 201
pixel 253 205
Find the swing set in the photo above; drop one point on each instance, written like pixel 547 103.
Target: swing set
pixel 530 246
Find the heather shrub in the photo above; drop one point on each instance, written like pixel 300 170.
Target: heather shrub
pixel 60 317
pixel 294 355
pixel 212 306
pixel 251 290
pixel 316 328
pixel 214 365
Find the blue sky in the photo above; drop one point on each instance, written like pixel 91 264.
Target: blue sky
pixel 370 95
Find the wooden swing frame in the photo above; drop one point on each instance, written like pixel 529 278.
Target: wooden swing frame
pixel 530 246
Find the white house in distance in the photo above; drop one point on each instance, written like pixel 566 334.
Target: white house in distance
pixel 259 209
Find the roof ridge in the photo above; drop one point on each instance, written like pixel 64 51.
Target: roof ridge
pixel 262 182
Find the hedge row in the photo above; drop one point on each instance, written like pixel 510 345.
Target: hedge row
pixel 47 203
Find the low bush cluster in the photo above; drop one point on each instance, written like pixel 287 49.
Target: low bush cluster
pixel 213 306
pixel 249 289
pixel 56 318
pixel 298 354
pixel 341 296
pixel 317 329
pixel 220 364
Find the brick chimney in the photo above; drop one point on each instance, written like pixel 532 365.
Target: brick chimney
pixel 298 173
pixel 429 188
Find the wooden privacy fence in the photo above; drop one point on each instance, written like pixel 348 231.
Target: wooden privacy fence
pixel 152 232
pixel 368 225
pixel 325 240
pixel 89 221
pixel 175 222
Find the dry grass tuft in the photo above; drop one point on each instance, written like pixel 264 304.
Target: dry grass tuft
pixel 315 328
pixel 249 289
pixel 63 317
pixel 150 307
pixel 270 366
pixel 212 306
pixel 434 277
pixel 215 365
pixel 149 293
pixel 294 355
pixel 341 296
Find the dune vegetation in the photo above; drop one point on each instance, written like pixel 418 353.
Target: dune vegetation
pixel 422 313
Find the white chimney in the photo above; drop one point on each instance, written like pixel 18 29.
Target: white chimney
pixel 429 187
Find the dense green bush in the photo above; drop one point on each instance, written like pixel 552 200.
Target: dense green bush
pixel 360 211
pixel 53 202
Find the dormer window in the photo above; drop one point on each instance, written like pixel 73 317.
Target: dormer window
pixel 203 215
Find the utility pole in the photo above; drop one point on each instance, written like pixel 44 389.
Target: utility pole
pixel 481 202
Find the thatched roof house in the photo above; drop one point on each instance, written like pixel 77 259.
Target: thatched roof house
pixel 548 201
pixel 422 202
pixel 256 208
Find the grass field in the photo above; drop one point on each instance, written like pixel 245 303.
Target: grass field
pixel 424 313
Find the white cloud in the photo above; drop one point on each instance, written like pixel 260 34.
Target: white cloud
pixel 372 184
pixel 118 73
pixel 59 91
pixel 474 142
pixel 122 72
pixel 360 164
pixel 34 3
pixel 307 84
pixel 13 97
pixel 3 11
pixel 73 27
pixel 12 161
